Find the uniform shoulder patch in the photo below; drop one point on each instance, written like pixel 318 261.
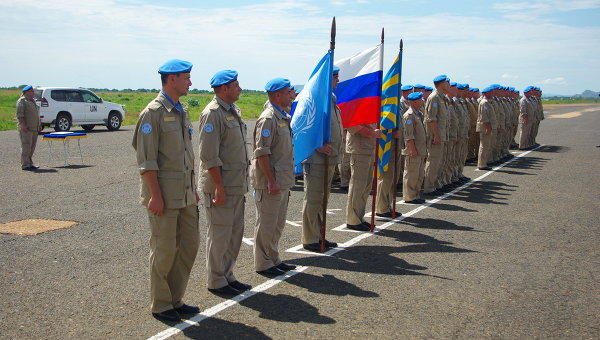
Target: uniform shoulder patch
pixel 20 104
pixel 146 128
pixel 408 122
pixel 208 128
pixel 266 133
pixel 434 104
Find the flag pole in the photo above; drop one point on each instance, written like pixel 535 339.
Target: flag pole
pixel 326 177
pixel 374 185
pixel 398 119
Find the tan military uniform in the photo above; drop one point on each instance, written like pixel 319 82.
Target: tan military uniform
pixel 163 142
pixel 473 145
pixel 539 116
pixel 436 109
pixel 362 159
pixel 273 137
pixel 344 166
pixel 484 115
pixel 386 183
pixel 223 145
pixel 29 112
pixel 414 167
pixel 314 176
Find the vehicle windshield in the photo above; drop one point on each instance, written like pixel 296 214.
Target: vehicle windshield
pixel 38 94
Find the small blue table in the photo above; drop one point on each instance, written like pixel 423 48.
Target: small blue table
pixel 65 137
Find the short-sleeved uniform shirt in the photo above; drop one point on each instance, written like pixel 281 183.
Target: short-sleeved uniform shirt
pixel 436 109
pixel 273 136
pixel 28 110
pixel 223 144
pixel 484 113
pixel 414 129
pixel 163 143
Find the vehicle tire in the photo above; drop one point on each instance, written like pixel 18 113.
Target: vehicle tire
pixel 114 121
pixel 63 122
pixel 88 127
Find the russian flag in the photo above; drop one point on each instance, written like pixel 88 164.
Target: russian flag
pixel 359 90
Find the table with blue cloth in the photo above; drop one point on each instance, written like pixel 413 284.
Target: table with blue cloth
pixel 65 138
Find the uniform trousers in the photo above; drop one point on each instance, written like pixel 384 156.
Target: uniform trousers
pixel 414 173
pixel 386 183
pixel 524 137
pixel 485 148
pixel 344 170
pixel 223 239
pixel 449 163
pixel 534 131
pixel 473 144
pixel 458 158
pixel 361 183
pixel 271 211
pixel 28 143
pixel 174 240
pixel 312 209
pixel 433 165
pixel 463 156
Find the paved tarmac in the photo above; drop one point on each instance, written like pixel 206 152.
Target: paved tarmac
pixel 515 254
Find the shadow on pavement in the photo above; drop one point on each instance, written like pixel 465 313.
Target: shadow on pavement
pixel 552 148
pixel 285 308
pixel 212 328
pixel 329 285
pixel 432 223
pixel 450 207
pixel 485 193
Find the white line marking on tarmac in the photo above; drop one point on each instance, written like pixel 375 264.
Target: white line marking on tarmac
pixel 194 321
pixel 292 223
pixel 248 241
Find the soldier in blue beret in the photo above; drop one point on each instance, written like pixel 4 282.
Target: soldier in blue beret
pixel 165 158
pixel 272 177
pixel 224 182
pixel 415 150
pixel 28 117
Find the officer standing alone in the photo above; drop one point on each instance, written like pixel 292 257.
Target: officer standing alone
pixel 165 158
pixel 29 126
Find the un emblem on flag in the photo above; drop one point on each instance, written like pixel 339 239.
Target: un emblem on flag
pixel 305 114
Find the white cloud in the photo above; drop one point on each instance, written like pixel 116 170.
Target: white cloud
pixel 553 81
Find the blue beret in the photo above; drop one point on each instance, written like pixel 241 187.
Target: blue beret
pixel 223 77
pixel 487 89
pixel 466 86
pixel 27 88
pixel 527 89
pixel 440 78
pixel 428 88
pixel 277 84
pixel 336 70
pixel 415 96
pixel 453 84
pixel 475 89
pixel 292 87
pixel 419 86
pixel 460 86
pixel 175 66
pixel 406 88
pixel 537 88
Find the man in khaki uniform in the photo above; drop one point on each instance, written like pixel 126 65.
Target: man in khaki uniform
pixel 28 126
pixel 360 144
pixel 314 176
pixel 272 176
pixel 224 182
pixel 526 110
pixel 165 158
pixel 415 150
pixel 436 128
pixel 472 105
pixel 485 128
pixel 386 183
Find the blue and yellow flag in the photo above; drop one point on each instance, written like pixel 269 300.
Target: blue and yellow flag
pixel 390 114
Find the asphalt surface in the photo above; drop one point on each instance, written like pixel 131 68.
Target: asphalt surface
pixel 513 255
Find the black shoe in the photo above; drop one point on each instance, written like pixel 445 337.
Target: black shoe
pixel 465 179
pixel 225 291
pixel 240 286
pixel 415 201
pixel 358 227
pixel 430 194
pixel 387 214
pixel 286 266
pixel 271 272
pixel 34 167
pixel 316 247
pixel 168 315
pixel 28 168
pixel 329 244
pixel 187 309
pixel 487 168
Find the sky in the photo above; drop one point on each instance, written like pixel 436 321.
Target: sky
pixel 553 44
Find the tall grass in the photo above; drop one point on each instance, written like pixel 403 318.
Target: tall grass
pixel 250 102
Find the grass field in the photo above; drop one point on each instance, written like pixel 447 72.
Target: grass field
pixel 250 102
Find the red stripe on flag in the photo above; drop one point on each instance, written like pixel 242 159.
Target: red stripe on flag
pixel 360 111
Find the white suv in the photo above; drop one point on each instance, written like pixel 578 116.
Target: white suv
pixel 63 107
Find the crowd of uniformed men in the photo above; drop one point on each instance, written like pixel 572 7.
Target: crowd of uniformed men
pixel 439 131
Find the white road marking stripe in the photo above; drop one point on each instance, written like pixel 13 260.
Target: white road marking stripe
pixel 292 223
pixel 272 282
pixel 248 241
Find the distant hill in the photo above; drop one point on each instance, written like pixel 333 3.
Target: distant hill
pixel 589 94
pixel 584 94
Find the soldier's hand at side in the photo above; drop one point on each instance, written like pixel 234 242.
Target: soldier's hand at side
pixel 436 140
pixel 413 153
pixel 273 188
pixel 197 197
pixel 487 131
pixel 325 149
pixel 376 133
pixel 220 196
pixel 23 128
pixel 156 205
pixel 397 134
